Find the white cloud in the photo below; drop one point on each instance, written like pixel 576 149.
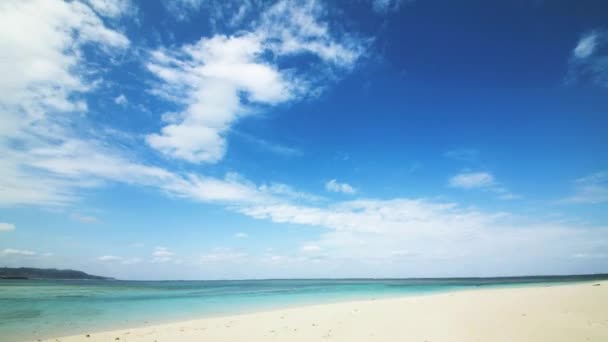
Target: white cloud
pixel 504 194
pixel 589 61
pixel 44 75
pixel 119 259
pixel 269 146
pixel 212 73
pixel 221 14
pixel 286 191
pixel 402 254
pixel 17 252
pixel 370 230
pixel 112 8
pixel 369 215
pixel 41 42
pixel 230 190
pixel 293 27
pixel 436 235
pixel 591 189
pixel 471 180
pixel 183 9
pixel 121 100
pixel 84 218
pixel 162 254
pixel 61 170
pixel 24 187
pixel 310 248
pixel 481 180
pixel 385 6
pixel 109 258
pixel 334 186
pixel 6 227
pixel 220 79
pixel 222 255
pixel 586 45
pixel 590 256
pixel 52 174
pixel 243 10
pixel 241 235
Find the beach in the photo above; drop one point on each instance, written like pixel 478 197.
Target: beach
pixel 570 312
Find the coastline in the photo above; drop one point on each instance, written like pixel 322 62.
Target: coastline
pixel 555 312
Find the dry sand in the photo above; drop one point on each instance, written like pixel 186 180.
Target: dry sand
pixel 568 313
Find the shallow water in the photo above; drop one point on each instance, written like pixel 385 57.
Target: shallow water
pixel 32 309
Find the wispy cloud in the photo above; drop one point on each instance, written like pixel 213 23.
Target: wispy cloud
pixel 463 154
pixel 472 180
pixel 335 186
pixel 269 146
pixel 431 232
pixel 60 169
pixel 17 252
pixel 385 6
pixel 482 181
pixel 162 254
pixel 109 258
pixel 84 218
pixel 310 248
pixel 586 45
pixel 287 192
pixel 222 255
pixel 220 14
pixel 183 9
pixel 589 60
pixel 590 189
pixel 54 65
pixel 590 256
pixel 113 8
pixel 121 100
pixel 55 80
pixel 6 227
pixel 119 259
pixel 241 235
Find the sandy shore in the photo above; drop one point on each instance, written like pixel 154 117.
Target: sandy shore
pixel 567 313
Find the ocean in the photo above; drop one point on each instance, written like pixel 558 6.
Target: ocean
pixel 34 309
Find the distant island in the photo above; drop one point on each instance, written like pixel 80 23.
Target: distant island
pixel 45 273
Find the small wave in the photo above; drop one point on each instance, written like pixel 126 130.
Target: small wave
pixel 71 296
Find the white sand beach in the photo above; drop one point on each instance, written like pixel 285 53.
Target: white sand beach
pixel 559 313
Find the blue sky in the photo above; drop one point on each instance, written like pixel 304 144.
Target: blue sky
pixel 378 138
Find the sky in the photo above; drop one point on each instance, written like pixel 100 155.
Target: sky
pixel 208 139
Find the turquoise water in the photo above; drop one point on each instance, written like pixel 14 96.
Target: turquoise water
pixel 32 309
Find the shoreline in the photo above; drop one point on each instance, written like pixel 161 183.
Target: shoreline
pixel 553 305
